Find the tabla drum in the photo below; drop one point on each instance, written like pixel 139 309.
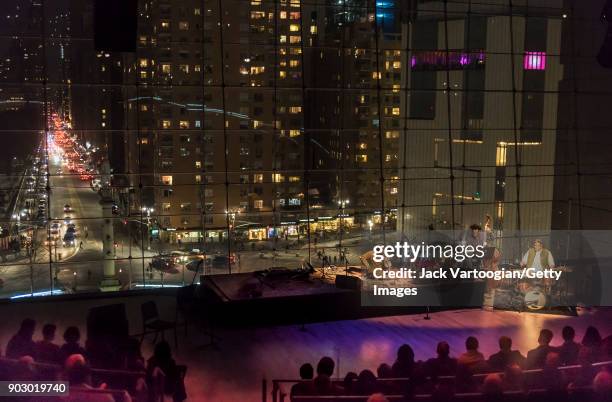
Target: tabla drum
pixel 535 299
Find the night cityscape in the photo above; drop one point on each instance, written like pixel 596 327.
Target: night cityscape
pixel 196 194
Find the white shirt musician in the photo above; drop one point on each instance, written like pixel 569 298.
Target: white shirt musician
pixel 538 257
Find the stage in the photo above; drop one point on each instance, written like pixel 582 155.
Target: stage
pixel 249 299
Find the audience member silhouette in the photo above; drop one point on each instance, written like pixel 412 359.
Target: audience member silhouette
pixel 326 366
pixel 492 388
pixel 506 356
pixel 384 371
pixel 72 335
pixel 513 378
pixel 602 386
pixel 322 382
pixel 350 382
pixel 537 357
pixel 591 344
pixel 304 388
pixel 366 383
pixel 46 350
pixel 377 398
pixel 472 358
pixel 162 359
pixel 404 363
pixel 443 364
pixel 568 351
pixel 21 344
pixel 79 377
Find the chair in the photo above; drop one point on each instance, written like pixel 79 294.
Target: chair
pixel 151 323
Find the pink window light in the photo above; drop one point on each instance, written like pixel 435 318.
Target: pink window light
pixel 535 61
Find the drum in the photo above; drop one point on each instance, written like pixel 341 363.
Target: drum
pixel 535 299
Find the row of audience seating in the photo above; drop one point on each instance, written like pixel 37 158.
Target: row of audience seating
pixel 568 372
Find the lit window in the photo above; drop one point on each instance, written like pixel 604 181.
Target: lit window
pixel 535 61
pixel 198 164
pixel 500 210
pixel 258 178
pixel 361 158
pixel 295 39
pixel 257 70
pixel 294 133
pixel 198 178
pixel 183 124
pixel 183 25
pixel 166 123
pixel 294 179
pixel 143 63
pixel 501 155
pixel 277 178
pixel 256 15
pixel 395 111
pixel 196 11
pixel 391 134
pixel 283 15
pixel 258 204
pixel 283 39
pixel 165 24
pixel 294 28
pixel 184 68
pixel 282 74
pixel 313 29
pixel 143 74
pixel 167 180
pixel 295 109
pixel 294 63
pixel 397 64
pixel 165 68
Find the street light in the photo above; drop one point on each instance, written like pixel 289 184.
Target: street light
pixel 342 204
pixel 231 214
pixel 148 211
pixel 370 225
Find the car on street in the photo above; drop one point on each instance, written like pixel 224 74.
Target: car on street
pixel 55 228
pixel 67 219
pixel 67 208
pixel 162 263
pixel 69 240
pixel 221 261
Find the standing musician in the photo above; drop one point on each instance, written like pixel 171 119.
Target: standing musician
pixel 473 236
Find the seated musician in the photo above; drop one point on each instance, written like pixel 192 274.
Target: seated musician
pixel 538 257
